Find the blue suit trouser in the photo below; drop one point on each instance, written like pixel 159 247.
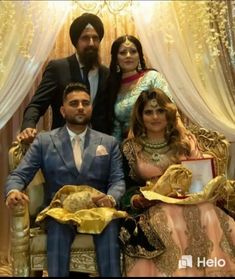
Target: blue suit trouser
pixel 60 238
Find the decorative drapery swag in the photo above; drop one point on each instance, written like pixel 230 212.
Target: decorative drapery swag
pixel 28 30
pixel 191 39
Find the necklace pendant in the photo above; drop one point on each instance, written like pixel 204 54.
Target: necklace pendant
pixel 155 157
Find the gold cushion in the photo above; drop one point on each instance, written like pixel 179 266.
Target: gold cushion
pixel 79 200
pixel 73 204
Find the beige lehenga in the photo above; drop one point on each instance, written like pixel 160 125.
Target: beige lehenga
pixel 199 237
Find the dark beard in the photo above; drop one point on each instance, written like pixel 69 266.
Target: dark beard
pixel 78 121
pixel 89 57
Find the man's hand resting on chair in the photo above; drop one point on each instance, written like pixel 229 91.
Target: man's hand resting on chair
pixel 16 197
pixel 27 135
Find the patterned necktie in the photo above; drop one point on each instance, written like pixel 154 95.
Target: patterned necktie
pixel 77 152
pixel 85 78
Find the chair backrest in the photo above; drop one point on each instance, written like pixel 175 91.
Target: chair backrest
pixel 35 190
pixel 214 144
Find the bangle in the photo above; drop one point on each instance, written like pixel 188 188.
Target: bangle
pixel 132 201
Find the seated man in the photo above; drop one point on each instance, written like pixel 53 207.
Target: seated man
pixel 94 159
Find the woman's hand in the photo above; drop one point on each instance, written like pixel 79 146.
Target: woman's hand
pixel 138 201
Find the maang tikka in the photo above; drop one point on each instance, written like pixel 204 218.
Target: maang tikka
pixel 154 103
pixel 127 42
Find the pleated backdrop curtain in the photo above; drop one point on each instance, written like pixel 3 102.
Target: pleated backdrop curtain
pixel 202 83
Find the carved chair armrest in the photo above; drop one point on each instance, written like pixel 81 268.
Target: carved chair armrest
pixel 21 215
pixel 20 228
pixel 214 144
pixel 35 189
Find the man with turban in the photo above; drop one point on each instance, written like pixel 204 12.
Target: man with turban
pixel 86 33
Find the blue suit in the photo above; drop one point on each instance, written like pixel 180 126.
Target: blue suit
pixel 52 152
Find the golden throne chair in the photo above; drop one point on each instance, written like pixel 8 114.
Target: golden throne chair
pixel 28 243
pixel 216 145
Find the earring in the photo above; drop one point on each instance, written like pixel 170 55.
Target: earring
pixel 118 70
pixel 143 135
pixel 139 68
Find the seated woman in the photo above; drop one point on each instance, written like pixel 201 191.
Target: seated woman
pixel 161 238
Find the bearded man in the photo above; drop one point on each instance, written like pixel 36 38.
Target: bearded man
pixel 86 33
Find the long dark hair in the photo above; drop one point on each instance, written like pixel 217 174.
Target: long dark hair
pixel 173 135
pixel 114 79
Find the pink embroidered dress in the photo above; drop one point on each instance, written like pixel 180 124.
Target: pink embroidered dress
pixel 199 239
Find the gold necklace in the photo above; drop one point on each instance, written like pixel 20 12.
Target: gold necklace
pixel 153 149
pixel 154 154
pixel 157 145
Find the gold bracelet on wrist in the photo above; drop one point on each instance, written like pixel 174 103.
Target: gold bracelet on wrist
pixel 131 201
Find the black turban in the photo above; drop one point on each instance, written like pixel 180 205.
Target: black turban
pixel 81 22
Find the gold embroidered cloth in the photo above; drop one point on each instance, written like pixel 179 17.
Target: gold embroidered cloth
pixel 73 204
pixel 211 192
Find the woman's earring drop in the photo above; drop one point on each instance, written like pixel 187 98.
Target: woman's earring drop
pixel 118 70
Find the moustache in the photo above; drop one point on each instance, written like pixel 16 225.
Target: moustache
pixel 91 49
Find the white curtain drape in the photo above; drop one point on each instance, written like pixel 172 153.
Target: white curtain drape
pixel 170 36
pixel 174 38
pixel 199 90
pixel 29 30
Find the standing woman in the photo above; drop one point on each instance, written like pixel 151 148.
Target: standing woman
pixel 128 78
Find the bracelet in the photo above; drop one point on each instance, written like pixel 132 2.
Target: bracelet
pixel 132 201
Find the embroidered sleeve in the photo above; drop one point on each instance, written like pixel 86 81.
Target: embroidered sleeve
pixel 130 154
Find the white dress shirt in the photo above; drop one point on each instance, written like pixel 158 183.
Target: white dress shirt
pixel 72 135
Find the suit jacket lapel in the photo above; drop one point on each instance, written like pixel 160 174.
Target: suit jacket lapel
pixel 64 148
pixel 101 83
pixel 89 153
pixel 75 70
